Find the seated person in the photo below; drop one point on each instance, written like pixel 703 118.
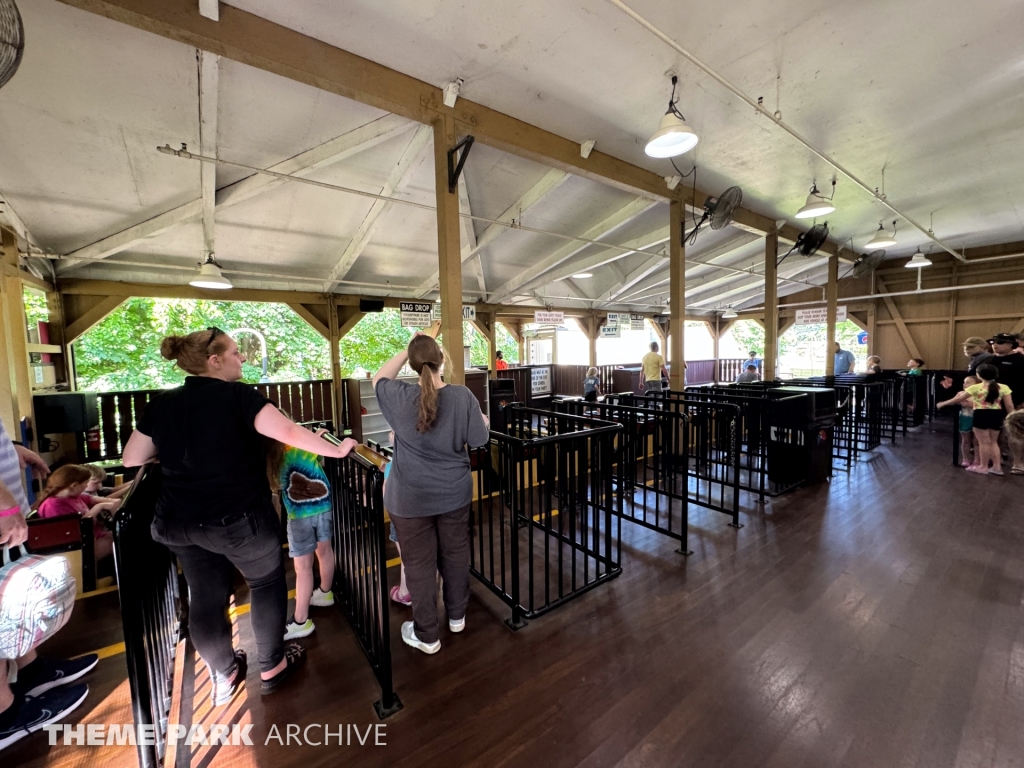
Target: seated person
pixel 64 494
pixel 96 487
pixel 748 376
pixel 591 386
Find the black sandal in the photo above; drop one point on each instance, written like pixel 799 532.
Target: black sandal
pixel 223 691
pixel 295 655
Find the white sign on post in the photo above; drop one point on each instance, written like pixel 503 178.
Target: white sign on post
pixel 610 331
pixel 540 382
pixel 415 315
pixel 817 315
pixel 636 322
pixel 544 317
pixel 437 312
pixel 468 312
pixel 613 318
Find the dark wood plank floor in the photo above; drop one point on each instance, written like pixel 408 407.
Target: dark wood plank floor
pixel 875 622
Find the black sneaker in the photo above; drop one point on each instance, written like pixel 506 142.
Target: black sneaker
pixel 27 716
pixel 43 675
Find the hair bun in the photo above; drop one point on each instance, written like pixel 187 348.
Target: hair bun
pixel 171 347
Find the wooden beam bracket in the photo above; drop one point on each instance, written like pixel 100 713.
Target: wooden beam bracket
pixel 455 167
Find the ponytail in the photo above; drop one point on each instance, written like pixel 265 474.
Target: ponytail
pixel 426 357
pixel 989 374
pixel 428 399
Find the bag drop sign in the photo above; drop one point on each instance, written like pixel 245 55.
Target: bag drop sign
pixel 415 315
pixel 636 322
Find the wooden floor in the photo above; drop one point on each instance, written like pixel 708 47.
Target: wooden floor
pixel 877 621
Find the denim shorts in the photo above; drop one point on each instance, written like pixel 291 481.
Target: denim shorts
pixel 305 532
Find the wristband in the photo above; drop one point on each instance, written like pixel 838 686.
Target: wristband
pixel 10 512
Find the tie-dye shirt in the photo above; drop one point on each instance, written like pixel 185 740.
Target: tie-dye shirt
pixel 304 487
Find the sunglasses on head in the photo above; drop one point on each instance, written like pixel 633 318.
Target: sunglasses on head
pixel 214 331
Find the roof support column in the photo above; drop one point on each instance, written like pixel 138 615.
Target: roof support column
pixel 449 255
pixel 677 294
pixel 831 299
pixel 771 304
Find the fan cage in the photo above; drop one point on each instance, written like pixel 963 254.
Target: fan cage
pixel 12 40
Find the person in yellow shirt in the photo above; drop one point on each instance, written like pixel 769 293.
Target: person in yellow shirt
pixel 653 366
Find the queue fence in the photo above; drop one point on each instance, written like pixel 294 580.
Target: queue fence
pixel 360 576
pixel 650 465
pixel 542 528
pixel 152 613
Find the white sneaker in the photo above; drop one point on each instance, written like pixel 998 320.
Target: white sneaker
pixel 293 631
pixel 322 599
pixel 457 626
pixel 409 638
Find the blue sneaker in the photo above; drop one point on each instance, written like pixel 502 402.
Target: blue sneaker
pixel 27 716
pixel 43 675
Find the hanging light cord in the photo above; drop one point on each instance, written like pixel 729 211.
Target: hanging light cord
pixel 762 110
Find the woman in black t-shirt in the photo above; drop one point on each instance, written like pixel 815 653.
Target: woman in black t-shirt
pixel 214 511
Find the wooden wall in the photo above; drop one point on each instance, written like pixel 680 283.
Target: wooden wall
pixel 932 326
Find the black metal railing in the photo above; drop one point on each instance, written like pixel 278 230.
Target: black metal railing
pixel 360 576
pixel 151 610
pixel 650 465
pixel 712 449
pixel 542 525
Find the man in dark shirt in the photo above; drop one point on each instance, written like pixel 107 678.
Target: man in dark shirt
pixel 1009 364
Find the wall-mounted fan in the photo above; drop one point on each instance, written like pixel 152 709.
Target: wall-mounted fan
pixel 808 243
pixel 12 40
pixel 719 210
pixel 868 263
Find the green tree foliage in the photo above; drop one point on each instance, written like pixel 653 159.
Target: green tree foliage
pixel 35 307
pixel 749 336
pixel 123 351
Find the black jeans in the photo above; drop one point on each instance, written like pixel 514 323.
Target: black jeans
pixel 432 544
pixel 209 552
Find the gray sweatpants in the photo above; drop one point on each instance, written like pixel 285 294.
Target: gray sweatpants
pixel 432 544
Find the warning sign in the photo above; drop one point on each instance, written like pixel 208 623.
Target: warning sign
pixel 415 315
pixel 548 318
pixel 636 322
pixel 816 315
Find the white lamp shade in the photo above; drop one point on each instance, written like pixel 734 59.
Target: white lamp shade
pixel 882 239
pixel 210 277
pixel 729 314
pixel 673 137
pixel 816 205
pixel 918 260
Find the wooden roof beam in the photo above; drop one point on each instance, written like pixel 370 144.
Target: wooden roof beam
pixel 257 42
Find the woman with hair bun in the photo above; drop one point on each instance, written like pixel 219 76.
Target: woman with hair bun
pixel 430 487
pixel 214 511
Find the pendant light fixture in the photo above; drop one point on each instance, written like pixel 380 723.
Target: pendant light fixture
pixel 729 314
pixel 209 276
pixel 882 239
pixel 817 204
pixel 674 136
pixel 918 260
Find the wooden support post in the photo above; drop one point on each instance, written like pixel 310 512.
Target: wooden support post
pixel 952 345
pixel 771 305
pixel 871 329
pixel 677 294
pixel 449 260
pixel 336 386
pixel 831 299
pixel 484 325
pixel 16 390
